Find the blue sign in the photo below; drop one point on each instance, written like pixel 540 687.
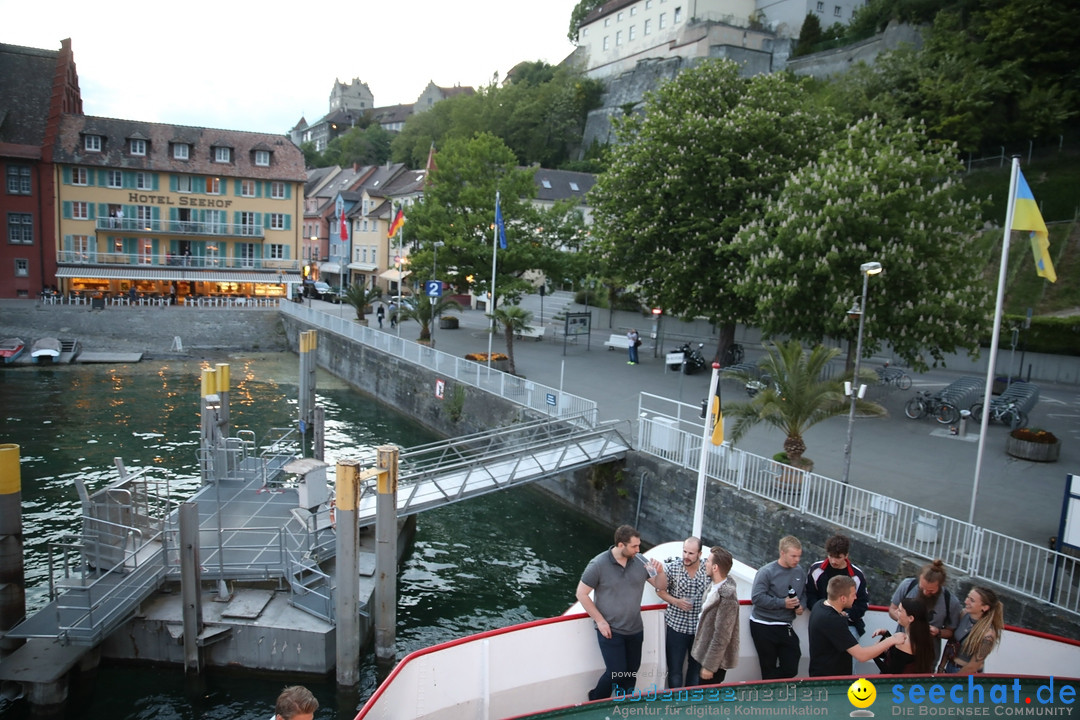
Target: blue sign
pixel 551 399
pixel 433 288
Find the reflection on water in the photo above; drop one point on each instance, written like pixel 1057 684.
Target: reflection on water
pixel 475 565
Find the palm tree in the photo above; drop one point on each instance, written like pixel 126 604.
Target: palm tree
pixel 796 399
pixel 360 297
pixel 425 310
pixel 513 319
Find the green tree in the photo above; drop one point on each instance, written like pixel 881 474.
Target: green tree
pixel 809 35
pixel 513 319
pixel 425 311
pixel 583 8
pixel 796 399
pixel 879 193
pixel 706 157
pixel 361 145
pixel 359 298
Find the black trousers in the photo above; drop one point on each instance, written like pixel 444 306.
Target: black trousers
pixel 777 649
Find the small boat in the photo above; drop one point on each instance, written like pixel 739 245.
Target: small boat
pixel 45 350
pixel 11 348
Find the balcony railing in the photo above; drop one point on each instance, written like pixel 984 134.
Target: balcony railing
pixel 179 227
pixel 168 260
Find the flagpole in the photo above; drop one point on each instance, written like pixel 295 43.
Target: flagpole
pixel 491 303
pixel 706 440
pixel 401 273
pixel 992 363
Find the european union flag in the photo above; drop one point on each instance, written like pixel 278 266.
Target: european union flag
pixel 500 226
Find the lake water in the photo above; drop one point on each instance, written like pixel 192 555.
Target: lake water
pixel 475 565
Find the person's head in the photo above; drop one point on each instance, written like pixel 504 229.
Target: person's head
pixel 790 551
pixel 932 579
pixel 837 548
pixel 980 601
pixel 841 591
pixel 913 617
pixel 691 551
pixel 719 563
pixel 910 612
pixel 296 703
pixel 627 541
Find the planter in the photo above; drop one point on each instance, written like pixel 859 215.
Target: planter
pixel 448 322
pixel 499 361
pixel 1036 452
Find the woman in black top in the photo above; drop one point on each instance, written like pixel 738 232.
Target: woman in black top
pixel 916 654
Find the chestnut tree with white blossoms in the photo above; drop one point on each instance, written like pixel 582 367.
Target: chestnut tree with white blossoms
pixel 879 193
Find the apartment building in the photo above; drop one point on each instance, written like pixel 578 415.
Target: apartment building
pixel 169 209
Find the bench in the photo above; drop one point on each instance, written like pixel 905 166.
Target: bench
pixel 536 333
pixel 617 341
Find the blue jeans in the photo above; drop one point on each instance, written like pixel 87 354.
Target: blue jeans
pixel 677 649
pixel 622 658
pixel 633 353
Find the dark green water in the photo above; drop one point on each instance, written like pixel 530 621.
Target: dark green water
pixel 500 559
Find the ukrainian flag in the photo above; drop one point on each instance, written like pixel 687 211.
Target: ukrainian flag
pixel 1026 216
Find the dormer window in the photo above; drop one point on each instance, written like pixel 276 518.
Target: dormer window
pixel 262 158
pixel 92 143
pixel 181 151
pixel 222 154
pixel 137 147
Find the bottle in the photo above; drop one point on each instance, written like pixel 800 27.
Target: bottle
pixel 791 592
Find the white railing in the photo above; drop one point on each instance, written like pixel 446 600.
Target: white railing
pixel 1024 567
pixel 535 396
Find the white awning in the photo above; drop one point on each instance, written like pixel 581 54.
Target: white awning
pixel 331 268
pixel 394 275
pixel 177 275
pixel 363 267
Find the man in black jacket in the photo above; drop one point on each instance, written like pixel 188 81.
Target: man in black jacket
pixel 837 563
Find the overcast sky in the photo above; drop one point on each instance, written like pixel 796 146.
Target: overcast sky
pixel 261 66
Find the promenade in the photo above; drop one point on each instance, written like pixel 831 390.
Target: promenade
pixel 911 460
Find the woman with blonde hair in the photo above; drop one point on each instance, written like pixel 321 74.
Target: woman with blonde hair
pixel 978 633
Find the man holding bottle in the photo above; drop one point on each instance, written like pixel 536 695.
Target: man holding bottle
pixel 778 595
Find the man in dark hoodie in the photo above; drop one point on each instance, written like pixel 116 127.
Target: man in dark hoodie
pixel 837 563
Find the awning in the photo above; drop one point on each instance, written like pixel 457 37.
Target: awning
pixel 394 275
pixel 177 275
pixel 331 268
pixel 363 267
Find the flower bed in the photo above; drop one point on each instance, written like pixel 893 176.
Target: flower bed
pixel 1033 444
pixel 499 361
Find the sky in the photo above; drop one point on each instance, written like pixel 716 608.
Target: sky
pixel 262 66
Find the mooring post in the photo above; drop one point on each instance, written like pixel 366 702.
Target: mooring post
pixel 318 442
pixel 12 580
pixel 208 427
pixel 308 345
pixel 346 599
pixel 190 585
pixel 386 533
pixel 223 393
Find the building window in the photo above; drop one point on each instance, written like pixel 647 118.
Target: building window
pixel 22 267
pixel 246 251
pixel 80 211
pixel 618 37
pixel 574 187
pixel 247 188
pixel 648 26
pixel 276 252
pixel 633 11
pixel 18 179
pixel 80 247
pixel 585 32
pixel 114 179
pixel 607 22
pixel 138 147
pixel 79 176
pixel 222 154
pixel 183 184
pixel 821 7
pixel 678 15
pixel 213 186
pixel 262 158
pixel 247 223
pixel 618 18
pixel 180 151
pixel 21 228
pixel 213 255
pixel 277 221
pixel 546 183
pixel 146 251
pixel 606 39
pixel 215 221
pixel 836 11
pixel 631 33
pixel 143 181
pixel 144 214
pixel 92 143
pixel 663 21
pixel 277 190
pixel 648 4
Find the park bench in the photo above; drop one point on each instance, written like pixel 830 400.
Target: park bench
pixel 536 333
pixel 617 341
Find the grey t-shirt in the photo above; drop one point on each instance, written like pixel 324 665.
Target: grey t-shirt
pixel 770 589
pixel 617 591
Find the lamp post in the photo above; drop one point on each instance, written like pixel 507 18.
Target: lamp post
pixel 867 269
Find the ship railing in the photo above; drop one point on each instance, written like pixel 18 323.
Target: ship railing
pixel 1024 567
pixel 539 398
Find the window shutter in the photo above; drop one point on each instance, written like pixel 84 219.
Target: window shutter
pixel 156 180
pixel 259 189
pixel 67 175
pixel 174 183
pixel 288 221
pixel 90 207
pixel 288 191
pixel 67 209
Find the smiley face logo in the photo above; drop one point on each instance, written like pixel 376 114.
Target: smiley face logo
pixel 862 693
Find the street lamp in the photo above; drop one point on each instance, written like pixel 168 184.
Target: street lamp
pixel 867 269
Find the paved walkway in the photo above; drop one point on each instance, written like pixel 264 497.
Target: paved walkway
pixel 911 460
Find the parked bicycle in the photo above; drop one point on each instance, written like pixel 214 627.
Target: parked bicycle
pixel 893 376
pixel 1006 413
pixel 927 403
pixel 733 355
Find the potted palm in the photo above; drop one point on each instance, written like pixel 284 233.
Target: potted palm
pixel 512 319
pixel 360 298
pixel 425 310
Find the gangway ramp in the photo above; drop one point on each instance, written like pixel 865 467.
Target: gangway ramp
pixel 443 472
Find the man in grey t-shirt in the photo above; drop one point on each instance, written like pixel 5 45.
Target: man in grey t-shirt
pixel 616 580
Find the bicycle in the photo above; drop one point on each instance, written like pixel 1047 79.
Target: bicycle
pixel 927 403
pixel 893 376
pixel 733 355
pixel 1005 413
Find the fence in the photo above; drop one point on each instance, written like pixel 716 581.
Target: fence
pixel 671 431
pixel 535 396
